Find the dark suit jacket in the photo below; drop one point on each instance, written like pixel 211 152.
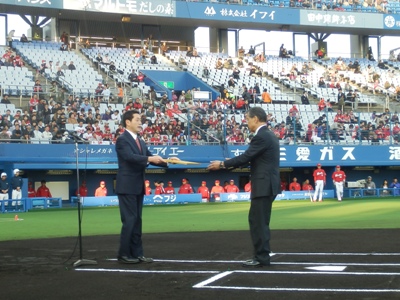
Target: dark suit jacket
pixel 131 165
pixel 263 155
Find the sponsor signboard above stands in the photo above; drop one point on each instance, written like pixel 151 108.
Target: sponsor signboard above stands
pixel 104 156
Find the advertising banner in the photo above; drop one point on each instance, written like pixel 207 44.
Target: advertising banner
pixel 340 19
pixel 236 13
pixel 156 8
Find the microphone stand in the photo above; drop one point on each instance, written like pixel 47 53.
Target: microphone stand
pixel 81 261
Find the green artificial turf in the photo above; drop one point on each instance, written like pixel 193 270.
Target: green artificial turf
pixel 330 214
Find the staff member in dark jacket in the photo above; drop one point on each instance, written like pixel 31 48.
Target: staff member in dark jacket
pixel 263 155
pixel 133 158
pixel 4 187
pixel 16 184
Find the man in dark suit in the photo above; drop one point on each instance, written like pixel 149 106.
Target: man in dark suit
pixel 263 155
pixel 133 158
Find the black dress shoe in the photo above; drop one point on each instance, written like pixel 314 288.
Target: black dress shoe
pixel 253 263
pixel 145 259
pixel 128 260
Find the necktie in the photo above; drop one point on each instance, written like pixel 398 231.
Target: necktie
pixel 138 144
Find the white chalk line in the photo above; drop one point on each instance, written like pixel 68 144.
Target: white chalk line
pixel 212 279
pixel 299 289
pixel 339 254
pixel 147 271
pixel 273 262
pixel 205 284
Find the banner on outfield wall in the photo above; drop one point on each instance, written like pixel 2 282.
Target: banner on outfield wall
pixel 287 195
pixel 156 8
pixel 340 19
pixel 237 13
pixel 193 198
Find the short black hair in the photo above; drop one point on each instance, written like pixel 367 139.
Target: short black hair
pixel 257 112
pixel 128 115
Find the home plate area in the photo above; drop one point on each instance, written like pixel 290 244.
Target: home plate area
pixel 344 273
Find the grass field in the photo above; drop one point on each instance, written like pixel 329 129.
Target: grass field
pixel 330 214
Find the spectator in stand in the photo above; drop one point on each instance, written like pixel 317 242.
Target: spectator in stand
pixel 86 105
pixel 4 187
pixel 169 189
pixel 320 180
pixel 5 99
pixel 147 188
pixel 23 39
pixel 304 98
pixel 101 191
pixel 216 191
pixel 133 77
pixel 205 193
pixel 185 188
pixel 339 178
pixel 206 72
pixel 294 185
pixel 321 104
pixel 71 66
pixel 64 66
pixel 43 190
pixel 395 185
pixel 231 187
pixel 321 83
pixel 266 97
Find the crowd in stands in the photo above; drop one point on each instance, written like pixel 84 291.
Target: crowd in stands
pixel 183 120
pixel 372 6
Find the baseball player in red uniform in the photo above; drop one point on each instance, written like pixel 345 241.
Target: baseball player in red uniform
pixel 247 187
pixel 185 188
pixel 216 190
pixel 307 186
pixel 31 190
pixel 159 188
pixel 203 190
pixel 231 187
pixel 294 185
pixel 101 191
pixel 147 187
pixel 339 177
pixel 43 190
pixel 83 190
pixel 169 189
pixel 320 181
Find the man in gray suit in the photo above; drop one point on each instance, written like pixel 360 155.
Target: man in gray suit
pixel 263 156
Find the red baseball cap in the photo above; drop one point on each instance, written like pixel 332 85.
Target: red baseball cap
pixel 232 180
pixel 183 180
pixel 318 165
pixel 338 166
pixel 102 182
pixel 216 181
pixel 203 182
pixel 169 182
pixel 147 181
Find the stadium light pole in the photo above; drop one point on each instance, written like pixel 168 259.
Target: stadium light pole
pixel 81 261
